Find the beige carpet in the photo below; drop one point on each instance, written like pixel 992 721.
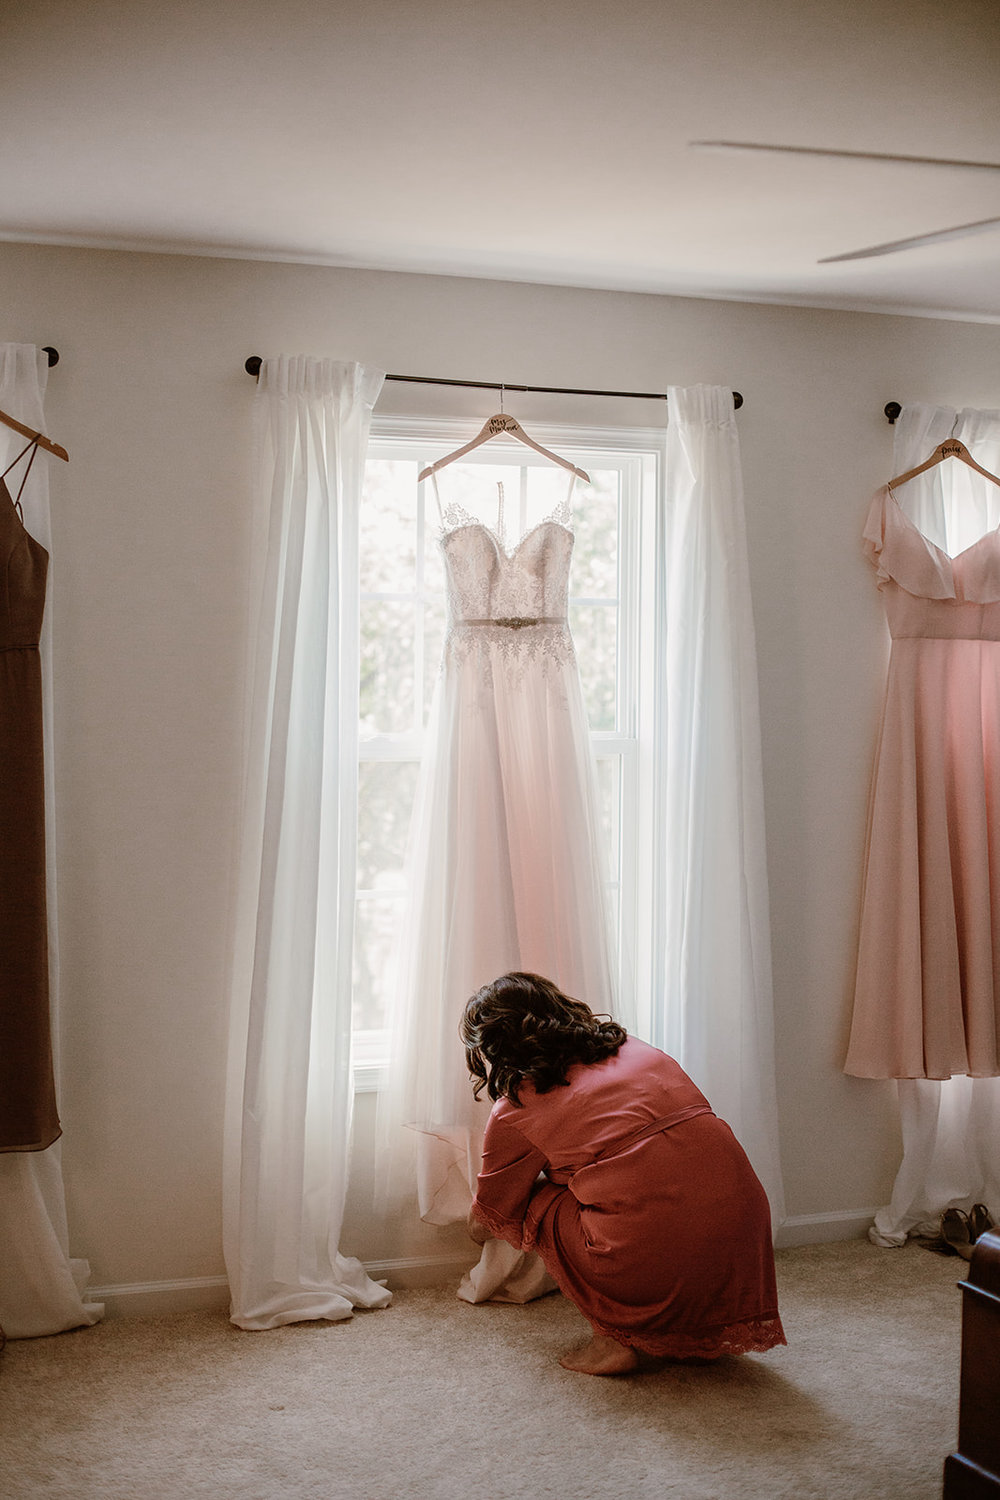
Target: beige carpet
pixel 436 1400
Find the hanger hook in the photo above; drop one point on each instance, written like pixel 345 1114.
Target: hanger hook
pixel 501 397
pixel 954 425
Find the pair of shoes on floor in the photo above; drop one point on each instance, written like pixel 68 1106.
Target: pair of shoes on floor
pixel 961 1230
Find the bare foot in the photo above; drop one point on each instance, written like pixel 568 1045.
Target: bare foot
pixel 602 1356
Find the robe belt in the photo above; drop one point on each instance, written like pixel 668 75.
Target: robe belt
pixel 518 622
pixel 686 1112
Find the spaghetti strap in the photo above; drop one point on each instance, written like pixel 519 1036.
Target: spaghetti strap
pixel 17 460
pixel 16 499
pixel 562 512
pixel 567 505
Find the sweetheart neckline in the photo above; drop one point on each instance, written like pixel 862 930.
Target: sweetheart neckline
pixel 495 538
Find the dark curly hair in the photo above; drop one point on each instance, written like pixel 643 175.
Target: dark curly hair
pixel 522 1029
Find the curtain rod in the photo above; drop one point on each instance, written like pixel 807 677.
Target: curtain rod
pixel 253 365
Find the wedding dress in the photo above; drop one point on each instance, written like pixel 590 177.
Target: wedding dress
pixel 504 858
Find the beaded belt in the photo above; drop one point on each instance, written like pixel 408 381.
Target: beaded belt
pixel 518 622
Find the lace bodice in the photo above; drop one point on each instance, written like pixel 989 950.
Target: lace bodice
pixel 487 583
pixel 505 606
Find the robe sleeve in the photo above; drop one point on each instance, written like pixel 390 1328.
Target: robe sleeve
pixel 511 1165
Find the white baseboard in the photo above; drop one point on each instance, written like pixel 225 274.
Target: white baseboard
pixel 203 1293
pixel 822 1229
pixel 420 1270
pixel 152 1298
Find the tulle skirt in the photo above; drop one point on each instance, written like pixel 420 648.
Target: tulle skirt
pixel 506 874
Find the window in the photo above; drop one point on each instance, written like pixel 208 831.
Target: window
pixel 402 631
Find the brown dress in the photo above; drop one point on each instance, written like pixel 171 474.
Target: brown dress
pixel 28 1118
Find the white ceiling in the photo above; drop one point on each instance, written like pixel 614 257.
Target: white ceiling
pixel 533 140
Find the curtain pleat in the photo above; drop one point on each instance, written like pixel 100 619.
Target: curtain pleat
pixel 290 1088
pixel 714 959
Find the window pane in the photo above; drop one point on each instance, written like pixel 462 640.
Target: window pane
pixel 385 801
pixel 388 526
pixel 433 560
pixel 434 626
pixel 595 524
pixel 548 489
pixel 403 622
pixel 376 941
pixel 615 923
pixel 609 780
pixel 594 628
pixel 386 666
pixel 474 488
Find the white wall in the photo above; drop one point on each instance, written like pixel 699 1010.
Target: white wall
pixel 150 524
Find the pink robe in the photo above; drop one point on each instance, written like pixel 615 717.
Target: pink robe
pixel 649 1216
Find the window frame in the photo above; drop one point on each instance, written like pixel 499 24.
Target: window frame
pixel 638 454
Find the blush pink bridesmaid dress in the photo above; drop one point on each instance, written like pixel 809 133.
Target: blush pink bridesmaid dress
pixel 927 998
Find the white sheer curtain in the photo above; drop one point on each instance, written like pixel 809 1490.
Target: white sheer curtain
pixel 715 965
pixel 290 1086
pixel 40 1286
pixel 951 1129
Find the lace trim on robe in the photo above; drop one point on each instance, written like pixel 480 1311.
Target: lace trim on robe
pixel 754 1336
pixel 511 1230
pixel 751 1336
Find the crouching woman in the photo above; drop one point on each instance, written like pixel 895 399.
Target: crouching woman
pixel 602 1155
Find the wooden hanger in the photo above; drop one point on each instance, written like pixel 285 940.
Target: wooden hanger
pixel 950 448
pixel 36 437
pixel 503 425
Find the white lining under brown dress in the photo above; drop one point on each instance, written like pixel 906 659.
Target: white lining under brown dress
pixel 28 1116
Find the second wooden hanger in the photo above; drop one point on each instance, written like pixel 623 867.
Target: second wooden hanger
pixel 36 437
pixel 950 448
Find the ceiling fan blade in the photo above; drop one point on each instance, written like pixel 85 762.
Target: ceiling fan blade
pixel 920 161
pixel 956 232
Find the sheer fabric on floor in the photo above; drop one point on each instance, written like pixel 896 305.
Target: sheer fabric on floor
pixel 41 1287
pixel 950 1128
pixel 951 1131
pixel 714 978
pixel 290 1088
